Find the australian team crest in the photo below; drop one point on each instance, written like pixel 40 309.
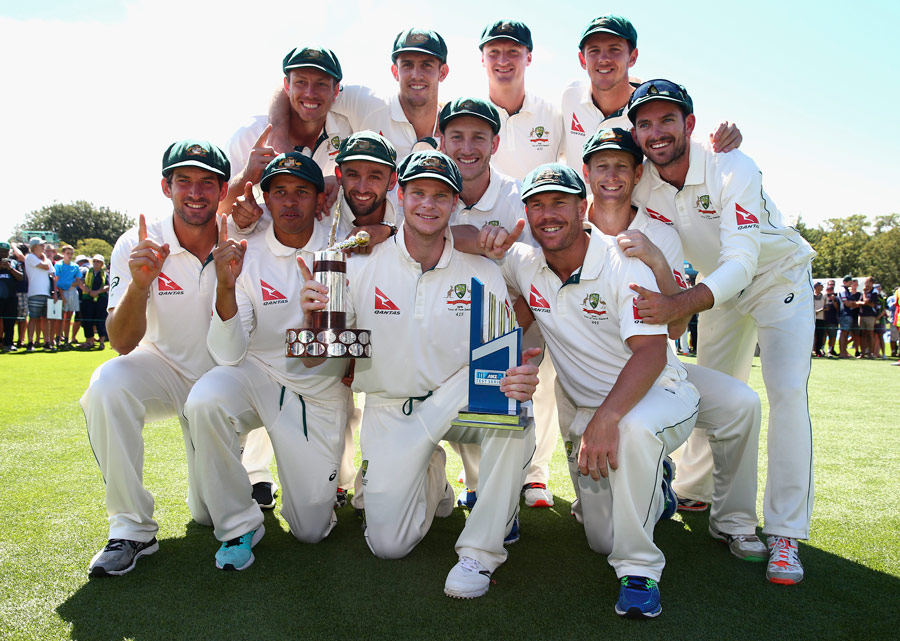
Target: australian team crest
pixel 704 208
pixel 459 297
pixel 196 150
pixel 539 136
pixel 594 307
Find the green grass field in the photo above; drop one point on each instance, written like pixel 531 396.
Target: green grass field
pixel 552 587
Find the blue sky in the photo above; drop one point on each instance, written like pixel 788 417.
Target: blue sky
pixel 95 90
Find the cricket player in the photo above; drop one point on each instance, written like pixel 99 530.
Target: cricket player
pixel 413 293
pixel 471 135
pixel 634 403
pixel 531 128
pixel 607 51
pixel 162 282
pixel 729 410
pixel 304 410
pixel 312 77
pixel 757 287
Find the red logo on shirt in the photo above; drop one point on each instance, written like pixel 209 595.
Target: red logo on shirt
pixel 576 126
pixel 744 217
pixel 269 292
pixel 655 215
pixel 634 310
pixel 166 284
pixel 537 302
pixel 384 303
pixel 679 279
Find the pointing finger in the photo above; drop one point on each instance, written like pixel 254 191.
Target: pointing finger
pixel 223 230
pixel 142 228
pixel 640 290
pixel 248 191
pixel 515 233
pixel 304 270
pixel 263 137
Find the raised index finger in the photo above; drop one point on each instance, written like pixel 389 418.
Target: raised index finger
pixel 304 270
pixel 515 233
pixel 142 228
pixel 263 137
pixel 223 229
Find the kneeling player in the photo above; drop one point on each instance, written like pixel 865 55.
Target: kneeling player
pixel 304 410
pixel 634 403
pixel 407 292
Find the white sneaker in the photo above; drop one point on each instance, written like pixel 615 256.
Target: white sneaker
pixel 467 580
pixel 744 546
pixel 784 561
pixel 537 495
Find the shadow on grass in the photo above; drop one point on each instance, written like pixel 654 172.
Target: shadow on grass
pixel 551 587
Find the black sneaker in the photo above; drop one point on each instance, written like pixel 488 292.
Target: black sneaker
pixel 119 556
pixel 264 493
pixel 340 499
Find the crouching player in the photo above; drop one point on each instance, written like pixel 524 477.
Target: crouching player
pixel 407 291
pixel 634 402
pixel 303 410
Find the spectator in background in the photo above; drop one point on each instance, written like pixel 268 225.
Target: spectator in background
pixel 82 261
pixel 819 303
pixel 831 313
pixel 880 323
pixel 849 317
pixel 10 274
pixel 868 311
pixel 68 281
pixel 19 252
pixel 50 253
pixel 40 289
pixel 895 327
pixel 93 302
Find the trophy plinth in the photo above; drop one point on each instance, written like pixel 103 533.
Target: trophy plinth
pixel 495 344
pixel 328 335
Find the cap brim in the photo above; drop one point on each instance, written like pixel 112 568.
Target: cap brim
pixel 650 98
pixel 428 174
pixel 307 65
pixel 550 187
pixel 601 30
pixel 495 126
pixel 612 147
pixel 264 183
pixel 516 40
pixel 367 159
pixel 195 163
pixel 416 50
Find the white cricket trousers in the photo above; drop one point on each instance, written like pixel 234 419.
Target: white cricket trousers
pixel 776 310
pixel 124 394
pixel 307 436
pixel 620 512
pixel 402 493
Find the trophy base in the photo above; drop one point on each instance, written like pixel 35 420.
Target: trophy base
pixel 310 342
pixel 468 418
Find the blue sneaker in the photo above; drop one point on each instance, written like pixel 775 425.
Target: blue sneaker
pixel 237 554
pixel 466 499
pixel 513 535
pixel 638 598
pixel 671 505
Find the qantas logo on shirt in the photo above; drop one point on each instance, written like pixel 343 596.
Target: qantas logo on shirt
pixel 537 302
pixel 637 314
pixel 270 295
pixel 167 287
pixel 384 305
pixel 745 219
pixel 679 279
pixel 655 215
pixel 576 126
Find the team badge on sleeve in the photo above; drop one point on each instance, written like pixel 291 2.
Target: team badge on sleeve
pixel 637 314
pixel 745 219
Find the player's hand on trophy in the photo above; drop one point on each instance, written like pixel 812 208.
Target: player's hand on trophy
pixel 260 155
pixel 520 382
pixel 599 446
pixel 245 210
pixel 494 241
pixel 634 243
pixel 331 193
pixel 726 137
pixel 228 256
pixel 146 259
pixel 313 294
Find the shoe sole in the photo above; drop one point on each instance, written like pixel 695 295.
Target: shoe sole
pixel 465 596
pixel 692 508
pixel 636 613
pixel 779 581
pixel 100 571
pixel 539 503
pixel 257 536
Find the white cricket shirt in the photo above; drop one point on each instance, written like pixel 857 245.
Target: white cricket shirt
pixel 582 119
pixel 531 137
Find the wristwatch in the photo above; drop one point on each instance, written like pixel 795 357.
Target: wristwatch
pixel 390 226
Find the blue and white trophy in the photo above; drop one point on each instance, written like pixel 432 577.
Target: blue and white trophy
pixel 495 344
